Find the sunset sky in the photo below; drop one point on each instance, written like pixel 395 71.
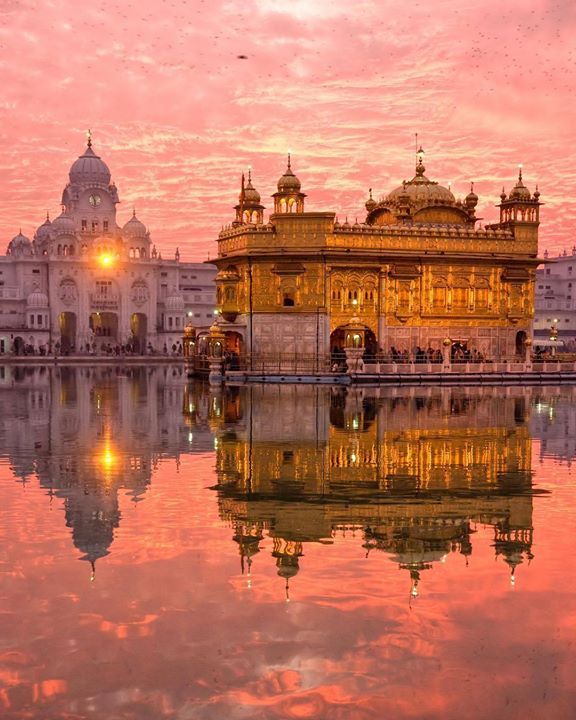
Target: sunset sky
pixel 183 95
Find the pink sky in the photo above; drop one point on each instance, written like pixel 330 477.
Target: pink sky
pixel 178 116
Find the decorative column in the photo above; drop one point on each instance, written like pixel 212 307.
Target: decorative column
pixel 446 354
pixel 215 355
pixel 354 336
pixel 528 355
pixel 189 348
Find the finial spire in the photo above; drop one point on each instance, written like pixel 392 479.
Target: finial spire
pixel 89 137
pixel 249 173
pixel 133 211
pixel 289 166
pixel 472 187
pixel 520 172
pixel 48 215
pixel 370 193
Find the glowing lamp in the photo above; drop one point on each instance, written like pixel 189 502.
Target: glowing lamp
pixel 106 260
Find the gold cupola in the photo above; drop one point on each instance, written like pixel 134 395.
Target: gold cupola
pixel 289 198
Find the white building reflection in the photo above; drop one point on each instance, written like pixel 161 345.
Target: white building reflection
pixel 91 434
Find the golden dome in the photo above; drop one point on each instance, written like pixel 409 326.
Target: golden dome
pixel 251 195
pixel 520 191
pixel 289 182
pixel 420 191
pixel 370 203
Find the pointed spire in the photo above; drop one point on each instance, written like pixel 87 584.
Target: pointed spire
pixel 89 138
pixel 133 211
pixel 48 214
pixel 520 173
pixel 289 166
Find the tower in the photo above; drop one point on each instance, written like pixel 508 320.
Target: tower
pixel 289 198
pixel 520 208
pixel 249 209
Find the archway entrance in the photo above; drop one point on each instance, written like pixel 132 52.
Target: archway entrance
pixel 233 348
pixel 104 326
pixel 67 324
pixel 337 342
pixel 520 342
pixel 18 345
pixel 139 328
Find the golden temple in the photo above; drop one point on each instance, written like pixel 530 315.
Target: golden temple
pixel 418 269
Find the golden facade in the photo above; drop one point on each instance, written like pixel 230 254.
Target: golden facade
pixel 412 476
pixel 417 270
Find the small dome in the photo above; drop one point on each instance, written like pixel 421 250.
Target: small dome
pixel 370 203
pixel 520 191
pixel 63 225
pixel 471 199
pixel 19 245
pixel 37 299
pixel 89 169
pixel 134 228
pixel 289 182
pixel 44 229
pixel 175 303
pixel 251 195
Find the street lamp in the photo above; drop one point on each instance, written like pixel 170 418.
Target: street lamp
pixel 554 330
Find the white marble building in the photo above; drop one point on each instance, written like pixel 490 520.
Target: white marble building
pixel 555 305
pixel 84 283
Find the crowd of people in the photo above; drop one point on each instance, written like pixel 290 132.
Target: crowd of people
pixel 459 353
pixel 95 349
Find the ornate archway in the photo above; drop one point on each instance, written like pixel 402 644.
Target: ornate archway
pixel 139 328
pixel 520 342
pixel 67 324
pixel 337 341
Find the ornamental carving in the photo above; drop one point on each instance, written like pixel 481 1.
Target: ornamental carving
pixel 139 293
pixel 68 292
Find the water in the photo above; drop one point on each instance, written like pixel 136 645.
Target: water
pixel 167 551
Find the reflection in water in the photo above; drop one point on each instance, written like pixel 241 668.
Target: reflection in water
pixel 412 474
pixel 90 434
pixel 182 496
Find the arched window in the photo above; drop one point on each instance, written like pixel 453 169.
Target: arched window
pixel 142 252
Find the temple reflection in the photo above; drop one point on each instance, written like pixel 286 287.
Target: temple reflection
pixel 91 435
pixel 411 472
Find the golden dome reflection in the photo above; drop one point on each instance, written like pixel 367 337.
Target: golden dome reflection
pixel 414 474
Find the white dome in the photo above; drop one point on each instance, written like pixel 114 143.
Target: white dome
pixel 44 230
pixel 89 169
pixel 37 299
pixel 175 303
pixel 63 225
pixel 134 228
pixel 19 245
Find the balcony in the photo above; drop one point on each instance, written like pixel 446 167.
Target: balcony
pixel 104 303
pixel 11 293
